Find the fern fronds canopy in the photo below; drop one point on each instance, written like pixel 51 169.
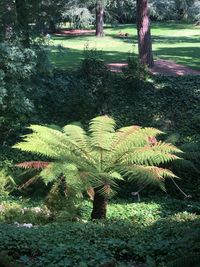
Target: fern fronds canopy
pixel 100 156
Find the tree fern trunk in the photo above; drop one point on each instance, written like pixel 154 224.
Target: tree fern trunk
pixel 99 205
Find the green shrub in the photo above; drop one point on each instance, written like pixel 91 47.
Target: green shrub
pixel 18 65
pixel 135 73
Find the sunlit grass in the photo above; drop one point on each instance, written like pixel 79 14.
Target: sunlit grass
pixel 179 42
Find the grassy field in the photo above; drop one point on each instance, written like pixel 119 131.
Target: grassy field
pixel 179 42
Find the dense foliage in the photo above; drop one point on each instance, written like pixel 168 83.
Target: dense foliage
pixel 154 232
pixel 81 12
pixel 18 67
pixel 27 19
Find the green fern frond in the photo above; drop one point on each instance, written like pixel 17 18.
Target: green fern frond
pixel 78 136
pixel 147 157
pixel 51 173
pixel 147 174
pixel 137 149
pixel 102 131
pixel 166 147
pixel 123 134
pixel 129 137
pixel 150 131
pixel 43 141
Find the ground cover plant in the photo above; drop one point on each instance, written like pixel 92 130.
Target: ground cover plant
pixel 172 41
pixel 153 232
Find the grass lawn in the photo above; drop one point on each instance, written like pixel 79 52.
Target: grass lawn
pixel 179 42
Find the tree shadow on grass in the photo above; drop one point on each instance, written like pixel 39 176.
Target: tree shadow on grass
pixel 178 25
pixel 67 58
pixel 175 39
pixel 188 56
pixel 159 39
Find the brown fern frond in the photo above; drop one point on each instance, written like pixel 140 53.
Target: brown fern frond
pixel 38 165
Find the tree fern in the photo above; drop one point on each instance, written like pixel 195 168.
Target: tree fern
pixel 100 157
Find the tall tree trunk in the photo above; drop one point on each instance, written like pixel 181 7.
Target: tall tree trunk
pixel 144 33
pixel 22 21
pixel 99 18
pixel 100 203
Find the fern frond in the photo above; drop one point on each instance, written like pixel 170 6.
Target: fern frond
pixel 160 153
pixel 152 132
pixel 78 137
pixel 147 157
pixel 102 131
pixel 136 146
pixel 33 165
pixel 51 173
pixel 43 141
pixel 166 147
pixel 147 174
pixel 124 133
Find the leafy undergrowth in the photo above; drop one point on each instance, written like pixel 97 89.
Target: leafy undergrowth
pixel 150 232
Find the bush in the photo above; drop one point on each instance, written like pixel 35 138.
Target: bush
pixel 17 68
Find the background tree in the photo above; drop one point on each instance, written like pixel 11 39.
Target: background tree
pixel 144 33
pixel 99 18
pixel 7 19
pixel 22 14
